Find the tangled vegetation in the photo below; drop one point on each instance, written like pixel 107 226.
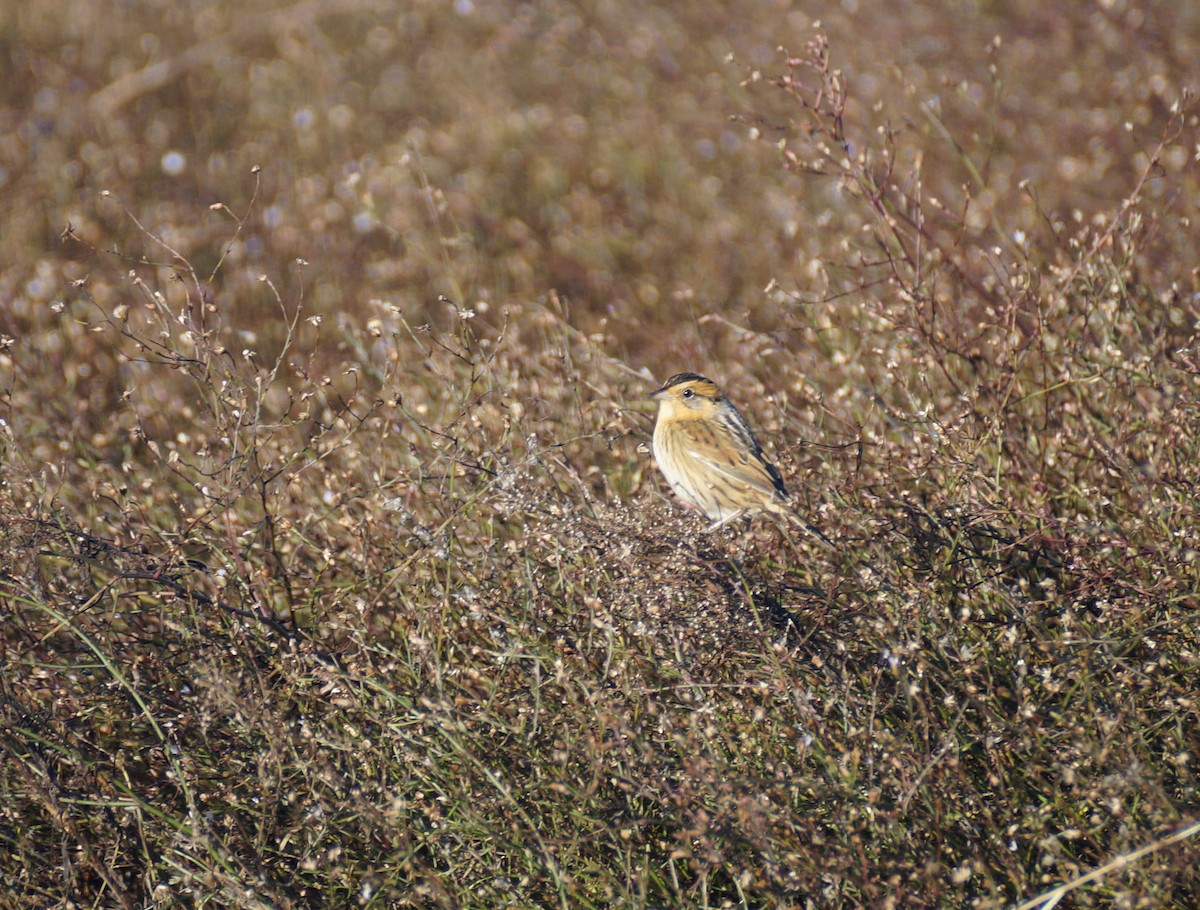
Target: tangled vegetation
pixel 337 571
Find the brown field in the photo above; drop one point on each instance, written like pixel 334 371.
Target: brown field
pixel 337 571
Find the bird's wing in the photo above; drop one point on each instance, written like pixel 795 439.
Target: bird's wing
pixel 751 470
pixel 740 465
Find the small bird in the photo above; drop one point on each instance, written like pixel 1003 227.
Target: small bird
pixel 709 456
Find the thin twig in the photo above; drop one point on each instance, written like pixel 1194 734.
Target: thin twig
pixel 1048 899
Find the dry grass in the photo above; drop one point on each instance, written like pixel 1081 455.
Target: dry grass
pixel 338 573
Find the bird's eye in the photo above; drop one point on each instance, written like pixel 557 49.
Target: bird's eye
pixel 688 393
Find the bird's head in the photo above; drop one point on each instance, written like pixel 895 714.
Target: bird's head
pixel 688 395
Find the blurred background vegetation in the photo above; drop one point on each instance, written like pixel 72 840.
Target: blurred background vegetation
pixel 338 572
pixel 495 151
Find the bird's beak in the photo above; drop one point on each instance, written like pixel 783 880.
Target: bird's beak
pixel 658 393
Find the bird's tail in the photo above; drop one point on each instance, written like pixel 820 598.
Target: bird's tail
pixel 809 527
pixel 816 532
